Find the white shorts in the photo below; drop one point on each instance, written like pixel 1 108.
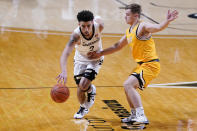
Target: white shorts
pixel 80 67
pixel 88 70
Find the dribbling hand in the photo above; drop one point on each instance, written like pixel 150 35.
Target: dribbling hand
pixel 62 78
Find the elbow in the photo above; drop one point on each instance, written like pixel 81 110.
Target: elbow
pixel 117 46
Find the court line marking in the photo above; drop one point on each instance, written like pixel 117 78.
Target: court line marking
pixel 151 86
pixel 45 33
pixel 177 83
pixel 174 85
pixel 184 8
pixel 185 87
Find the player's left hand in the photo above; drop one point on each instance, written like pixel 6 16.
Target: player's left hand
pixel 172 15
pixel 94 55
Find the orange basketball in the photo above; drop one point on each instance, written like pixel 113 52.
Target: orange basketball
pixel 60 93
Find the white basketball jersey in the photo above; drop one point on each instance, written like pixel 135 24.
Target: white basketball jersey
pixel 88 45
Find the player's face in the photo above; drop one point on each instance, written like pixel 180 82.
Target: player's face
pixel 130 17
pixel 86 28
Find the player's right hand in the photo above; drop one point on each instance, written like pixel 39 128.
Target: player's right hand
pixel 94 55
pixel 62 78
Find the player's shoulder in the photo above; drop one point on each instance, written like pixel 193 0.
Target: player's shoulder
pixel 143 24
pixel 98 20
pixel 75 35
pixel 99 23
pixel 76 30
pixel 96 25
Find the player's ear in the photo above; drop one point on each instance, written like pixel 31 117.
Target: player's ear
pixel 136 15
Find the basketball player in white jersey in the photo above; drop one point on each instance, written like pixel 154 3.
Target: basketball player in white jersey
pixel 86 38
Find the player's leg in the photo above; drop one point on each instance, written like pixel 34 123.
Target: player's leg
pixel 128 100
pixel 92 71
pixel 81 96
pixel 133 112
pixel 140 79
pixel 130 85
pixel 90 74
pixel 79 69
pixel 133 96
pixel 83 87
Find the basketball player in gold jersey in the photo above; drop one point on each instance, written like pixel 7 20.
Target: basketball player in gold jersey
pixel 138 37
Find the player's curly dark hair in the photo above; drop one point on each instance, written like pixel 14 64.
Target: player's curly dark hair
pixel 85 15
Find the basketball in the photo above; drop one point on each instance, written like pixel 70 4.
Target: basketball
pixel 60 93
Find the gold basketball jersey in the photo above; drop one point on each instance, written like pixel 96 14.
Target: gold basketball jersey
pixel 142 50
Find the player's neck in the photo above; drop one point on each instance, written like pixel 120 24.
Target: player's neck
pixel 135 23
pixel 89 36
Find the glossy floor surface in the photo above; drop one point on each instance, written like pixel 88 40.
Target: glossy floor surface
pixel 30 50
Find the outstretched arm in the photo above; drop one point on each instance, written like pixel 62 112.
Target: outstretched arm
pixel 114 48
pixel 152 28
pixel 63 60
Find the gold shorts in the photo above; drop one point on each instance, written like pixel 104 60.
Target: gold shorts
pixel 146 72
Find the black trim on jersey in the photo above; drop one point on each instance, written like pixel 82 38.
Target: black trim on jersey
pixel 130 29
pixel 93 29
pixel 153 60
pixel 139 37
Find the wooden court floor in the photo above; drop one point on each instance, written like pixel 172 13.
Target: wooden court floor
pixel 29 63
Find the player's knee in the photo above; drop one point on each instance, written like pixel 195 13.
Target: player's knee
pixel 128 85
pixel 83 86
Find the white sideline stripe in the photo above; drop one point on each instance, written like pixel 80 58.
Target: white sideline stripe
pixel 177 83
pixel 67 34
pixel 35 32
pixel 172 85
pixel 186 87
pixel 166 37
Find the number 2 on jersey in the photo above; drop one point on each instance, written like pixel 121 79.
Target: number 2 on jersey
pixel 91 48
